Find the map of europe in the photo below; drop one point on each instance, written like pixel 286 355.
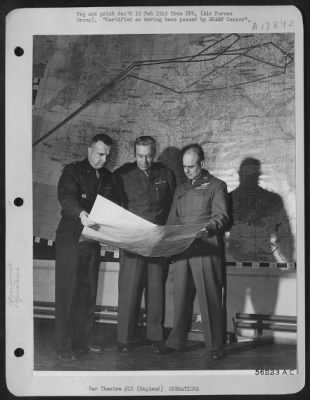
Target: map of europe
pixel 232 93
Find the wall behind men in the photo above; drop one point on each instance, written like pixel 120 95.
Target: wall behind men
pixel 233 94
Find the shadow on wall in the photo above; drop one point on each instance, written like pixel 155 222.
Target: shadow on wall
pixel 260 232
pixel 171 157
pixel 261 229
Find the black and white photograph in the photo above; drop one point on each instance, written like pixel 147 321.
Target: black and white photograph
pixel 161 210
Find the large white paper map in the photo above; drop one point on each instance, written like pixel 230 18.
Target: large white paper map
pixel 120 228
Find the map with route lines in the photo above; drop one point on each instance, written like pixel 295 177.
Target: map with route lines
pixel 232 93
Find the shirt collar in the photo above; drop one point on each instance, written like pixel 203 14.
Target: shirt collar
pixel 91 168
pixel 152 172
pixel 203 177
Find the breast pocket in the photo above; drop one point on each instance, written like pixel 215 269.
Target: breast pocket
pixel 134 193
pixel 197 202
pixel 87 198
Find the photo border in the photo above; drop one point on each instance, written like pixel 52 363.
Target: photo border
pixel 13 192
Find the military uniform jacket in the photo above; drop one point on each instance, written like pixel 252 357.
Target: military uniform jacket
pixel 204 201
pixel 78 187
pixel 149 197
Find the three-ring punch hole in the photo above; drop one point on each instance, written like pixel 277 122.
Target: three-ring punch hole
pixel 19 352
pixel 18 51
pixel 18 201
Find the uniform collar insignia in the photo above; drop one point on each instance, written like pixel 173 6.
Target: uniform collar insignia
pixel 203 178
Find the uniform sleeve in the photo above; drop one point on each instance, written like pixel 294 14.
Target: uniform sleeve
pixel 121 197
pixel 118 190
pixel 69 193
pixel 172 185
pixel 171 181
pixel 173 217
pixel 219 220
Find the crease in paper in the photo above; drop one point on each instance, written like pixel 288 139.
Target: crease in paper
pixel 119 227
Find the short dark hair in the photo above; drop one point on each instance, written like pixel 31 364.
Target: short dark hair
pixel 146 141
pixel 102 137
pixel 196 148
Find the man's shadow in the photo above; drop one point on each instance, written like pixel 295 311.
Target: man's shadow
pixel 260 226
pixel 260 232
pixel 171 157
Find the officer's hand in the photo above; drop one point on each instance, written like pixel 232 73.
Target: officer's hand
pixel 85 220
pixel 202 232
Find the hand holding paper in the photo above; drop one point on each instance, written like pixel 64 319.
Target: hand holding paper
pixel 120 228
pixel 85 220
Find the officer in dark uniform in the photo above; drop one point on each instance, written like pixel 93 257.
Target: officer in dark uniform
pixel 77 263
pixel 202 198
pixel 148 189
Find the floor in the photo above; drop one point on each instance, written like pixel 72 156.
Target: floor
pixel 264 355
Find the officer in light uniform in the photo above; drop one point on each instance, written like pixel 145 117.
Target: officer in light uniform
pixel 148 189
pixel 77 263
pixel 202 198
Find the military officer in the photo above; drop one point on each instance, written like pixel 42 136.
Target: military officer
pixel 77 263
pixel 202 198
pixel 148 189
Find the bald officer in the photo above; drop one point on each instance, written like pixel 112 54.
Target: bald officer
pixel 201 199
pixel 148 189
pixel 77 263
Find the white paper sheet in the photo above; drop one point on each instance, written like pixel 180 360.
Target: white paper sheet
pixel 121 228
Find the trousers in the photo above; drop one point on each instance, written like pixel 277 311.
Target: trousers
pixel 77 269
pixel 205 272
pixel 136 273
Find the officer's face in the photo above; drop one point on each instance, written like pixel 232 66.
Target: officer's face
pixel 192 165
pixel 98 154
pixel 144 156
